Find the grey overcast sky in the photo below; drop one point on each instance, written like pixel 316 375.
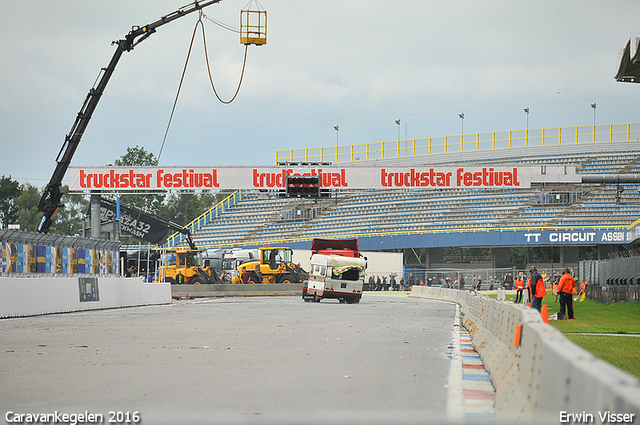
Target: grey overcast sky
pixel 358 64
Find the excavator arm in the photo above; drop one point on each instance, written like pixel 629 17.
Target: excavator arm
pixel 50 202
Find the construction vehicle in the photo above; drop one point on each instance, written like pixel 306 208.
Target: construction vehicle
pixel 335 276
pixel 50 202
pixel 214 258
pixel 234 258
pixel 190 265
pixel 274 265
pixel 186 266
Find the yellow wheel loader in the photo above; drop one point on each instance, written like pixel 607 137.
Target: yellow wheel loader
pixel 275 265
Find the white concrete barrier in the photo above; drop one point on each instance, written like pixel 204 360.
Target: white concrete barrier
pixel 30 296
pixel 541 375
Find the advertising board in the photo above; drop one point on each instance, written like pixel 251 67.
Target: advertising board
pixel 330 177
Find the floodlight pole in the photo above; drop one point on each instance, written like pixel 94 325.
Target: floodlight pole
pixel 398 123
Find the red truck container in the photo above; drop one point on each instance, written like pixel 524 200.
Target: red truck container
pixel 343 247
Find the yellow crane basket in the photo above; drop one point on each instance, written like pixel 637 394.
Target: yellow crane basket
pixel 253 27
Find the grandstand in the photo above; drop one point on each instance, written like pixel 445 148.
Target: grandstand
pixel 410 218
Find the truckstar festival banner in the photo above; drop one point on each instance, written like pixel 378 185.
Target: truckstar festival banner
pixel 330 177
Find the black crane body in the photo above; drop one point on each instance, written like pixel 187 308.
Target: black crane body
pixel 50 202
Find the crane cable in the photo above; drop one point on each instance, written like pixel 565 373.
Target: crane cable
pixel 175 102
pixel 206 55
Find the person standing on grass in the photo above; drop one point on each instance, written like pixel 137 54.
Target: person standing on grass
pixel 566 286
pixel 537 289
pixel 519 285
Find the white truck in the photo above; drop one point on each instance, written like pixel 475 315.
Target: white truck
pixel 335 276
pixel 235 257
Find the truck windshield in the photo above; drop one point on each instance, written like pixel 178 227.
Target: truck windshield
pixel 281 256
pixel 284 256
pixel 188 260
pixel 169 259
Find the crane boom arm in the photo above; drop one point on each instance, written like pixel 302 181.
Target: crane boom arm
pixel 50 202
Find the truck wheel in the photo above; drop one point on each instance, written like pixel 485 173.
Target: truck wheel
pixel 285 278
pixel 253 278
pixel 198 280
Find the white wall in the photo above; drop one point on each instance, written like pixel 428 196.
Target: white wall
pixel 542 373
pixel 383 263
pixel 25 296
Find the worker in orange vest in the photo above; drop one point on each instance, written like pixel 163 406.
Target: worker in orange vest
pixel 537 289
pixel 519 285
pixel 565 291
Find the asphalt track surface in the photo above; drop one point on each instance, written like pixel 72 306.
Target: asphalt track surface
pixel 237 360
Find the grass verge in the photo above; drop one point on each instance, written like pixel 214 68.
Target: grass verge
pixel 593 317
pixel 621 351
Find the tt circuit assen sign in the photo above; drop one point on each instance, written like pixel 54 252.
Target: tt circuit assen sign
pixel 575 237
pixel 198 178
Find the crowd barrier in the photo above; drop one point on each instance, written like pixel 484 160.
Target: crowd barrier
pixel 223 290
pixel 539 375
pixel 31 296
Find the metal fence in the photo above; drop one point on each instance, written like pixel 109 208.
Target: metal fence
pixel 613 294
pixel 28 254
pixel 613 280
pixel 490 278
pixel 610 272
pixel 463 143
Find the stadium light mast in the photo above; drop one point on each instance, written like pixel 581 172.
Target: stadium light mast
pixel 593 105
pixel 526 133
pixel 461 115
pixel 337 129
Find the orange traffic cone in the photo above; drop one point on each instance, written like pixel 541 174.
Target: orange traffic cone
pixel 545 314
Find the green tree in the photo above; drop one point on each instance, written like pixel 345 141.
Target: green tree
pixel 139 156
pixel 135 156
pixel 29 217
pixel 588 253
pixel 184 207
pixel 69 219
pixel 519 256
pixel 10 192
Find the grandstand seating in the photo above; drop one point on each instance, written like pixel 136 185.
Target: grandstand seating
pixel 255 219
